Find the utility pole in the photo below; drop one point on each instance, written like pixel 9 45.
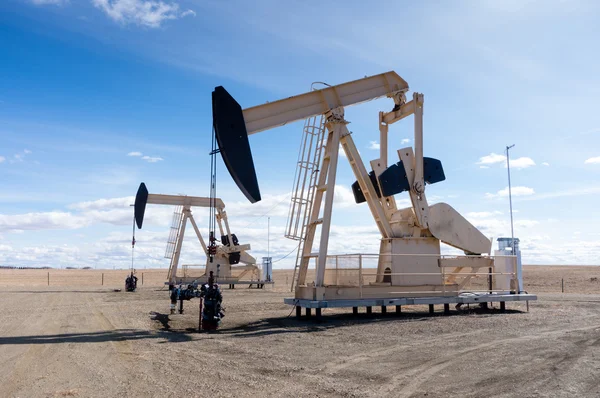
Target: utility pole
pixel 512 232
pixel 268 236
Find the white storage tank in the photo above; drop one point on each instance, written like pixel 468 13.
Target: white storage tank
pixel 267 268
pixel 508 265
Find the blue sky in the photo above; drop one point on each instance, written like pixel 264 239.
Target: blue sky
pixel 85 83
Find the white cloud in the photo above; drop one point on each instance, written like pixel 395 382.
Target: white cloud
pixel 545 164
pixel 134 154
pixel 151 159
pixel 149 13
pixel 19 157
pixel 595 160
pixel 522 163
pixel 188 12
pixel 39 221
pixel 484 167
pixel 516 191
pixel 2 159
pixel 51 2
pixel 100 204
pixel 374 145
pixel 343 197
pixel 482 214
pixel 492 158
pixel 405 141
pixel 114 211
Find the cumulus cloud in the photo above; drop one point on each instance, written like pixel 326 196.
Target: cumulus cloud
pixel 482 214
pixel 149 159
pixel 40 221
pixel 149 13
pixel 343 197
pixel 522 163
pixel 516 191
pixel 49 2
pixel 545 164
pixel 188 12
pixel 374 145
pixel 152 159
pixel 18 157
pixel 405 141
pixel 102 204
pixel 494 158
pixel 115 211
pixel 595 160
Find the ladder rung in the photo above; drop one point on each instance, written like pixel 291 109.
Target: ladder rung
pixel 322 188
pixel 317 221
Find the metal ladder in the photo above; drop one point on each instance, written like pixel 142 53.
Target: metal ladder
pixel 305 185
pixel 174 235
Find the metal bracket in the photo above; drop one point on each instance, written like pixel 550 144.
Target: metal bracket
pixel 336 115
pixel 399 98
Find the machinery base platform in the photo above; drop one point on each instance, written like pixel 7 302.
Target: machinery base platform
pixel 464 298
pixel 222 282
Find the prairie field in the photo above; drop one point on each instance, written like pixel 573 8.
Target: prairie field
pixel 69 333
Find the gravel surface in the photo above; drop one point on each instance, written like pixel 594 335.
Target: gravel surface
pixel 93 342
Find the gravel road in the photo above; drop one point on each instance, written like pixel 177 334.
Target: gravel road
pixel 100 343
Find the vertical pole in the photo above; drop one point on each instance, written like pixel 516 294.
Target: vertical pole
pixel 337 274
pixel 418 117
pixel 142 278
pixel 512 232
pixel 326 225
pixel 360 281
pixel 103 279
pixel 562 285
pixel 268 236
pixel 200 316
pixel 383 141
pixel 48 278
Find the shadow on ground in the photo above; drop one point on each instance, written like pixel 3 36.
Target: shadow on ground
pixel 94 337
pixel 278 325
pixel 290 324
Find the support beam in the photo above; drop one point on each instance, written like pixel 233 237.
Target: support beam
pixel 182 200
pixel 334 147
pixel 198 233
pixel 299 107
pixel 362 176
pixel 314 215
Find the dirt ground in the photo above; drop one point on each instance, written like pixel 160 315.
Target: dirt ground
pixel 79 338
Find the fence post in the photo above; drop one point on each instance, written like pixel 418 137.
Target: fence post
pixel 360 281
pixel 337 271
pixel 562 285
pixel 142 278
pixel 103 279
pixel 48 278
